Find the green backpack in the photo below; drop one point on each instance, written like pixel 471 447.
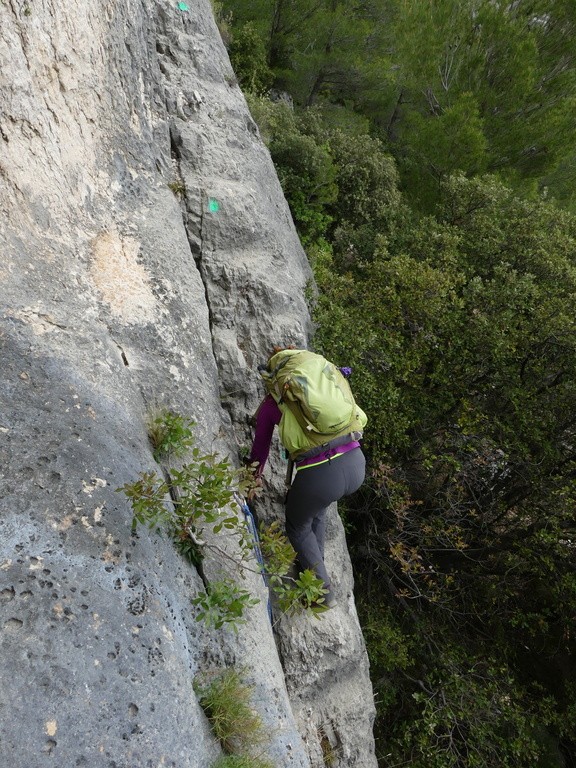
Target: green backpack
pixel 316 401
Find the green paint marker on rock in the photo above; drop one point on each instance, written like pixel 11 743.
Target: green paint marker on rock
pixel 183 7
pixel 213 205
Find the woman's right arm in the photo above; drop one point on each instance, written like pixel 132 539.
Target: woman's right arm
pixel 268 416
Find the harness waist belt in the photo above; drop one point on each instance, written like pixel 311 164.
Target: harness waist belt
pixel 336 443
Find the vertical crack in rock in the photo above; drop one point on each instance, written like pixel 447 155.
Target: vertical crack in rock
pixel 194 233
pixel 174 492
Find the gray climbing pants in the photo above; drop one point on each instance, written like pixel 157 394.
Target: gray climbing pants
pixel 312 492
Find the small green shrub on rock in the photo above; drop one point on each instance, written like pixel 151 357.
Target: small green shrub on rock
pixel 226 700
pixel 170 435
pixel 224 602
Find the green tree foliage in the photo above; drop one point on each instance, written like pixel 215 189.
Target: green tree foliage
pixel 454 140
pixel 510 63
pixel 470 86
pixel 248 57
pixel 314 46
pixel 339 185
pixel 304 165
pixel 462 336
pixel 367 183
pixel 279 22
pixel 329 56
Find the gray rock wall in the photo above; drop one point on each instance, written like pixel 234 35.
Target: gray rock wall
pixel 148 260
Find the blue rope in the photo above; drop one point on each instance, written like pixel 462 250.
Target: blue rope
pixel 251 523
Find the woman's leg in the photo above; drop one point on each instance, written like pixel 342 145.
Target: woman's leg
pixel 306 505
pixel 319 530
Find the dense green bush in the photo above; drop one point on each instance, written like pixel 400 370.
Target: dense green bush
pixel 339 186
pixel 462 334
pixel 304 164
pixel 248 57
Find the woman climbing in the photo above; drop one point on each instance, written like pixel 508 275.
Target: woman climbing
pixel 320 426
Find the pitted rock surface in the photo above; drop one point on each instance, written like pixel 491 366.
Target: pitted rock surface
pixel 148 260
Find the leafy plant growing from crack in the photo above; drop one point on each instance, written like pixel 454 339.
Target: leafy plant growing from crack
pixel 200 497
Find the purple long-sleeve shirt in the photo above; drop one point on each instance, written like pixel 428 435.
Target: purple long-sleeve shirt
pixel 268 416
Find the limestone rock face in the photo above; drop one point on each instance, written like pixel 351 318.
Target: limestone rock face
pixel 148 260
